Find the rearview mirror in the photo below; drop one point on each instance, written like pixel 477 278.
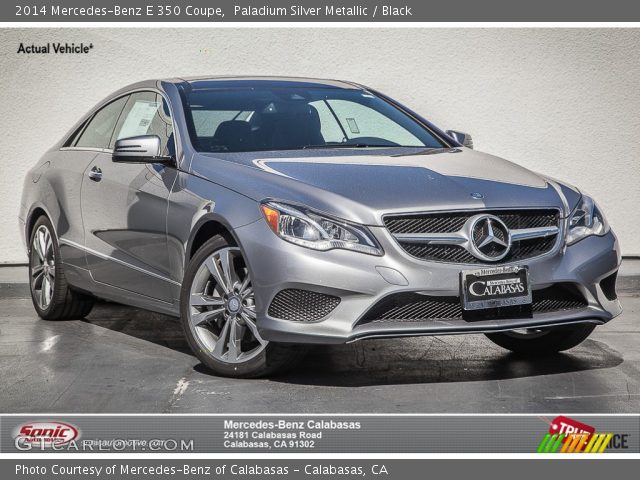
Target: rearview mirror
pixel 461 137
pixel 141 149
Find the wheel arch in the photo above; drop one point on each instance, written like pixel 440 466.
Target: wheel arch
pixel 36 212
pixel 206 228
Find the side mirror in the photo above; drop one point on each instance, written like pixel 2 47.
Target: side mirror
pixel 141 149
pixel 461 137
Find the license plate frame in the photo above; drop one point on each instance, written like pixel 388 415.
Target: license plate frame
pixel 500 278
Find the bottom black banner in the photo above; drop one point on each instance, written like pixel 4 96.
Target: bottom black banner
pixel 265 434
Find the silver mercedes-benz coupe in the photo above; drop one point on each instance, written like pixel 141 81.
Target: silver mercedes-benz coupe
pixel 269 213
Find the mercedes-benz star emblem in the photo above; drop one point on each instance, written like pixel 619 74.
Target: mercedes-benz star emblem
pixel 490 238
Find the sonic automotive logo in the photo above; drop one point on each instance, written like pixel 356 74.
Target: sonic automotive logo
pixel 567 435
pixel 45 434
pixel 53 435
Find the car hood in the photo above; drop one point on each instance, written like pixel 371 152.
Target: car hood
pixel 364 187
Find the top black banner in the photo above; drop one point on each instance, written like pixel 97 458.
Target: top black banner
pixel 364 11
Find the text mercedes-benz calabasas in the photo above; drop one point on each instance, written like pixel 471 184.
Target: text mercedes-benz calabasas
pixel 268 213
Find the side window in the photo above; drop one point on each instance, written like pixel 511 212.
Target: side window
pixel 99 130
pixel 146 113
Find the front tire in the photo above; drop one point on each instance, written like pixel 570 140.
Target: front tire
pixel 534 342
pixel 219 319
pixel 52 297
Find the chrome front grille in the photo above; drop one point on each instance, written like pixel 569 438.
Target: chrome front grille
pixel 454 221
pixel 445 237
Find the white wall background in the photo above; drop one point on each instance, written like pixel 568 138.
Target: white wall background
pixel 561 101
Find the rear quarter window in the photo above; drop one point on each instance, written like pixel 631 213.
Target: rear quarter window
pixel 99 130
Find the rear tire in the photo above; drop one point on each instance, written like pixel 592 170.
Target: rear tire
pixel 542 342
pixel 52 297
pixel 217 305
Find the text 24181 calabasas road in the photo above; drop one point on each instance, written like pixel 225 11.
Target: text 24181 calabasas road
pixel 281 434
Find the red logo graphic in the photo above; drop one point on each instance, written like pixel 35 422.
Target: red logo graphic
pixel 569 426
pixel 49 433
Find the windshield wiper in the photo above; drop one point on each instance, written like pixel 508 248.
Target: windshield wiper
pixel 346 145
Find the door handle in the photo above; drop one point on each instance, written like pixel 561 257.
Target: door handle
pixel 95 174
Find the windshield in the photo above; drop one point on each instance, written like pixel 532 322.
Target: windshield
pixel 263 119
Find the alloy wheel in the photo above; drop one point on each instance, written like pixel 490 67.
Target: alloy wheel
pixel 43 267
pixel 222 308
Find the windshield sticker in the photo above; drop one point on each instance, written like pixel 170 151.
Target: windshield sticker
pixel 353 126
pixel 139 119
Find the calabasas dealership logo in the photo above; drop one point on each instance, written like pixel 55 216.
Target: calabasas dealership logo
pixel 567 435
pixel 496 287
pixel 45 434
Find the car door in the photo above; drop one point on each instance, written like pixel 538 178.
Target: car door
pixel 124 206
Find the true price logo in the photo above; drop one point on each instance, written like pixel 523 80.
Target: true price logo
pixel 46 434
pixel 566 435
pixel 570 426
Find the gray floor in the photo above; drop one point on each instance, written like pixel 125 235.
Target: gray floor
pixel 125 360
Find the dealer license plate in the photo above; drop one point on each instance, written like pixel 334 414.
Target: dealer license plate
pixel 495 287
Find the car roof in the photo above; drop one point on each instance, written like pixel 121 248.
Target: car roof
pixel 198 83
pixel 210 82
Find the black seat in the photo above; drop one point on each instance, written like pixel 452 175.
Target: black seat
pixel 295 128
pixel 236 135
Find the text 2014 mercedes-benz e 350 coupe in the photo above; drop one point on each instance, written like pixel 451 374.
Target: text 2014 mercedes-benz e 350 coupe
pixel 268 213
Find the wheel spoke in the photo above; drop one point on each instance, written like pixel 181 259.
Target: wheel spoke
pixel 42 240
pixel 253 327
pixel 247 292
pixel 217 274
pixel 223 338
pixel 234 346
pixel 204 318
pixel 38 247
pixel 43 295
pixel 48 291
pixel 228 270
pixel 37 281
pixel 48 245
pixel 202 300
pixel 243 287
pixel 36 271
pixel 250 312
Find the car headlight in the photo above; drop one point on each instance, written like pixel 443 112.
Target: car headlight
pixel 585 220
pixel 312 230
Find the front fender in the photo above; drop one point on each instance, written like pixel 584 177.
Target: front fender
pixel 193 203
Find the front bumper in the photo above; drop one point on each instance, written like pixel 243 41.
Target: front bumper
pixel 361 281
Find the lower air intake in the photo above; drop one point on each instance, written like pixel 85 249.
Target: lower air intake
pixel 413 307
pixel 302 305
pixel 608 286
